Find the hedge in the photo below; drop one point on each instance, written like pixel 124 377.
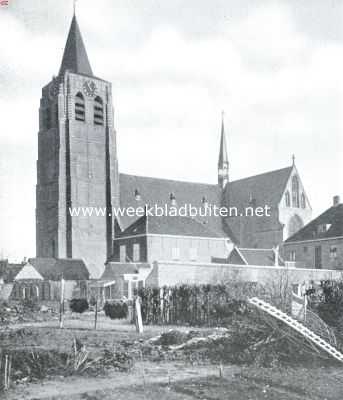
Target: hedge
pixel 194 305
pixel 116 310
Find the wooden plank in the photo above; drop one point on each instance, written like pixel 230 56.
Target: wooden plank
pixel 297 326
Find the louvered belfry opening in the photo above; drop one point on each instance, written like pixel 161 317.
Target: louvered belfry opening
pixel 98 111
pixel 79 107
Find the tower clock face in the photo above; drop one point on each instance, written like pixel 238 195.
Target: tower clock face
pixel 89 88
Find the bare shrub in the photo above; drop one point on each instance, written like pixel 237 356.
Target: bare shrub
pixel 79 305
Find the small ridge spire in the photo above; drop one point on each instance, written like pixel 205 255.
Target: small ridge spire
pixel 223 161
pixel 223 157
pixel 293 159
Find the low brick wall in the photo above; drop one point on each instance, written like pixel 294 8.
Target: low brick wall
pixel 176 273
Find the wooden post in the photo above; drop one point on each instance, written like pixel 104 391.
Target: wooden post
pixel 9 372
pixel 62 303
pixel 221 371
pixel 5 372
pixel 138 315
pixel 305 307
pixel 96 313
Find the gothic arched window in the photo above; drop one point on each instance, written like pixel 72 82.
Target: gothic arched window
pixel 288 199
pixel 98 111
pixel 303 200
pixel 295 191
pixel 79 107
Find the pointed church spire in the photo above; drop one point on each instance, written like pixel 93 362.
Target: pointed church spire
pixel 75 57
pixel 223 158
pixel 223 161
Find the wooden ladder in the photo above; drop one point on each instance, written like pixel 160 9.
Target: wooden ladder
pixel 297 326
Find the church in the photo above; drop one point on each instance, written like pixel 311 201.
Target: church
pixel 77 166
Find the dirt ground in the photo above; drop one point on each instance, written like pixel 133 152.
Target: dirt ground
pixel 169 381
pixel 157 380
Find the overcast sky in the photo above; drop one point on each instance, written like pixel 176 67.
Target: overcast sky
pixel 275 67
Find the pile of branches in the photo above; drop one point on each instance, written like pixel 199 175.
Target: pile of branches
pixel 280 344
pixel 80 361
pixel 33 365
pixel 257 338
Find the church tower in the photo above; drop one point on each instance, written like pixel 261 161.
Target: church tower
pixel 77 164
pixel 223 161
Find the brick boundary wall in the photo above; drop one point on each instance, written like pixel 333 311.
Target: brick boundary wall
pixel 166 273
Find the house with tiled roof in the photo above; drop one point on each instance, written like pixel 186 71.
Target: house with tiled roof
pixel 177 238
pixel 41 279
pixel 319 244
pixel 77 166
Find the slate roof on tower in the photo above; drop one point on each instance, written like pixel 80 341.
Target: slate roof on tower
pixel 75 57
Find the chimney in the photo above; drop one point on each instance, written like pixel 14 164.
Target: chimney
pixel 204 202
pixel 276 255
pixel 137 195
pixel 336 201
pixel 172 199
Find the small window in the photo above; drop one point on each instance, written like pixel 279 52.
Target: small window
pixel 136 252
pixel 134 288
pixel 292 255
pixel 287 199
pixel 126 289
pixel 79 107
pixel 295 191
pixel 53 248
pixel 193 254
pixel 122 253
pixel 333 252
pixel 318 257
pixel 322 228
pixel 26 292
pixel 98 111
pixel 175 253
pixel 305 249
pixel 303 201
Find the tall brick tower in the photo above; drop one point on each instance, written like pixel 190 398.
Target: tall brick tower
pixel 77 163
